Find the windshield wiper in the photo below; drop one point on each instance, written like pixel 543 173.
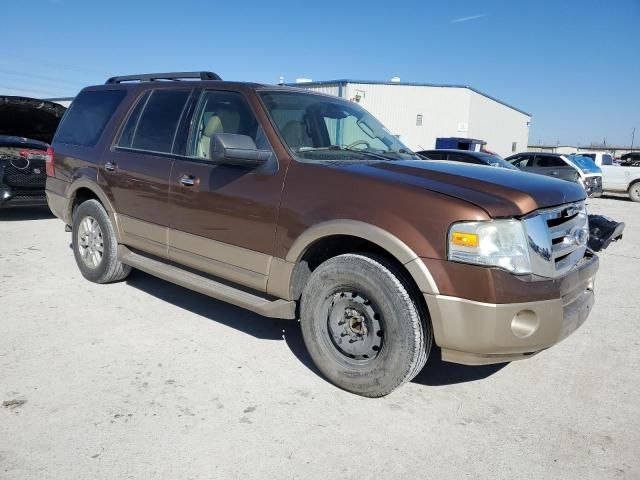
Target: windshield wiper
pixel 339 148
pixel 378 155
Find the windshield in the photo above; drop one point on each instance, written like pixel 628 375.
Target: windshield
pixel 584 163
pixel 318 127
pixel 496 161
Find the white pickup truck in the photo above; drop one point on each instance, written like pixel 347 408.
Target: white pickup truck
pixel 621 179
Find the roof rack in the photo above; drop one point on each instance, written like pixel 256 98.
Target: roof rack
pixel 150 77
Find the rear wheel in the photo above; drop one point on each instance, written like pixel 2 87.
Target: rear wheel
pixel 363 324
pixel 634 192
pixel 95 244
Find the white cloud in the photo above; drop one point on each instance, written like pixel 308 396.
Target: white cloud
pixel 469 18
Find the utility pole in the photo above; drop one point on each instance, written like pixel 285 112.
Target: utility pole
pixel 633 136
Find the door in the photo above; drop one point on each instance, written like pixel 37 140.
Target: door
pixel 137 170
pixel 553 166
pixel 616 178
pixel 223 218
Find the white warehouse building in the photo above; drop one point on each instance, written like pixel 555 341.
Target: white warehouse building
pixel 419 113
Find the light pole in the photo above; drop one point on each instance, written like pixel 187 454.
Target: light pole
pixel 633 136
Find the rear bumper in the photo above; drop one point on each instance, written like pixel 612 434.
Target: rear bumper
pixel 477 333
pixel 12 197
pixel 58 204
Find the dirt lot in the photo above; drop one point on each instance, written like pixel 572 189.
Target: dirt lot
pixel 144 379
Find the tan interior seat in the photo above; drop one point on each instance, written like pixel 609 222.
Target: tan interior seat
pixel 226 121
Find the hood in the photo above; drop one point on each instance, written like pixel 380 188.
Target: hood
pixel 29 118
pixel 499 191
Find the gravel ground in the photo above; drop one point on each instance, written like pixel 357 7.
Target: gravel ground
pixel 143 379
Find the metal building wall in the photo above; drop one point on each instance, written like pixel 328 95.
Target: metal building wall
pixel 444 110
pixel 326 89
pixel 505 129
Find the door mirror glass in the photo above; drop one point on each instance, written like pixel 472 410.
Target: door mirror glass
pixel 236 149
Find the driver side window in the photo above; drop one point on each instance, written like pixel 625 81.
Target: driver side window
pixel 224 112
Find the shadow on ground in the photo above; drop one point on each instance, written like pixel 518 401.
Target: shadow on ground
pixel 25 214
pixel 622 196
pixel 436 372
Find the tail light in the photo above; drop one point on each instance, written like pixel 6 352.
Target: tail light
pixel 51 169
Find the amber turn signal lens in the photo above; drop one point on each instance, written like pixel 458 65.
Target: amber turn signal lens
pixel 464 239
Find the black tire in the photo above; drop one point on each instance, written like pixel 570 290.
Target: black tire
pixel 108 269
pixel 634 192
pixel 405 329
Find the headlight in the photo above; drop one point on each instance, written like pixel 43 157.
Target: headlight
pixel 495 243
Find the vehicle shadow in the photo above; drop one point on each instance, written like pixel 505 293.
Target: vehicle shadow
pixel 435 373
pixel 243 320
pixel 438 372
pixel 25 213
pixel 622 196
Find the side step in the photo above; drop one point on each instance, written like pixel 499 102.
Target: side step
pixel 262 306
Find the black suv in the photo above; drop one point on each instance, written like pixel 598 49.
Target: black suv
pixel 27 126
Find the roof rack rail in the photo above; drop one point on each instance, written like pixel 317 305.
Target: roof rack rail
pixel 150 77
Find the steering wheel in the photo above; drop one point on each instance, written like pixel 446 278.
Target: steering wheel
pixel 358 142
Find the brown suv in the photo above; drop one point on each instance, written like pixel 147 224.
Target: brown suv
pixel 299 205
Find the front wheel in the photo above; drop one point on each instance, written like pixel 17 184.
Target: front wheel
pixel 364 326
pixel 634 192
pixel 95 244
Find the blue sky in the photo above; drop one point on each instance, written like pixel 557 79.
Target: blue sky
pixel 575 65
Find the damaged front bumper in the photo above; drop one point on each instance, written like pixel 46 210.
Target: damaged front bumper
pixel 478 333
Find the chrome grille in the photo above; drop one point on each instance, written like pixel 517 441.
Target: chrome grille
pixel 557 238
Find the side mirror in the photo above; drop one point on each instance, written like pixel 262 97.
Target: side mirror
pixel 235 149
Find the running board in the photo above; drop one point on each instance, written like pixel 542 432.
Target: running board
pixel 262 306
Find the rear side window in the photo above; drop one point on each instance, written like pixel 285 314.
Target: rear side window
pixel 546 162
pixel 152 124
pixel 85 120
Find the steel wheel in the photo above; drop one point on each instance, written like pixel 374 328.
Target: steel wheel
pixel 90 242
pixel 354 327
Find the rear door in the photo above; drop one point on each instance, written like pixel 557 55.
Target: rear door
pixel 222 217
pixel 553 166
pixel 137 169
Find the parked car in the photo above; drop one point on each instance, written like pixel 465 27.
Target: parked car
pixel 27 126
pixel 622 179
pixel 572 168
pixel 294 204
pixel 465 156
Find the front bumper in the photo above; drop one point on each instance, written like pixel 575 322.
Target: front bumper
pixel 478 333
pixel 593 186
